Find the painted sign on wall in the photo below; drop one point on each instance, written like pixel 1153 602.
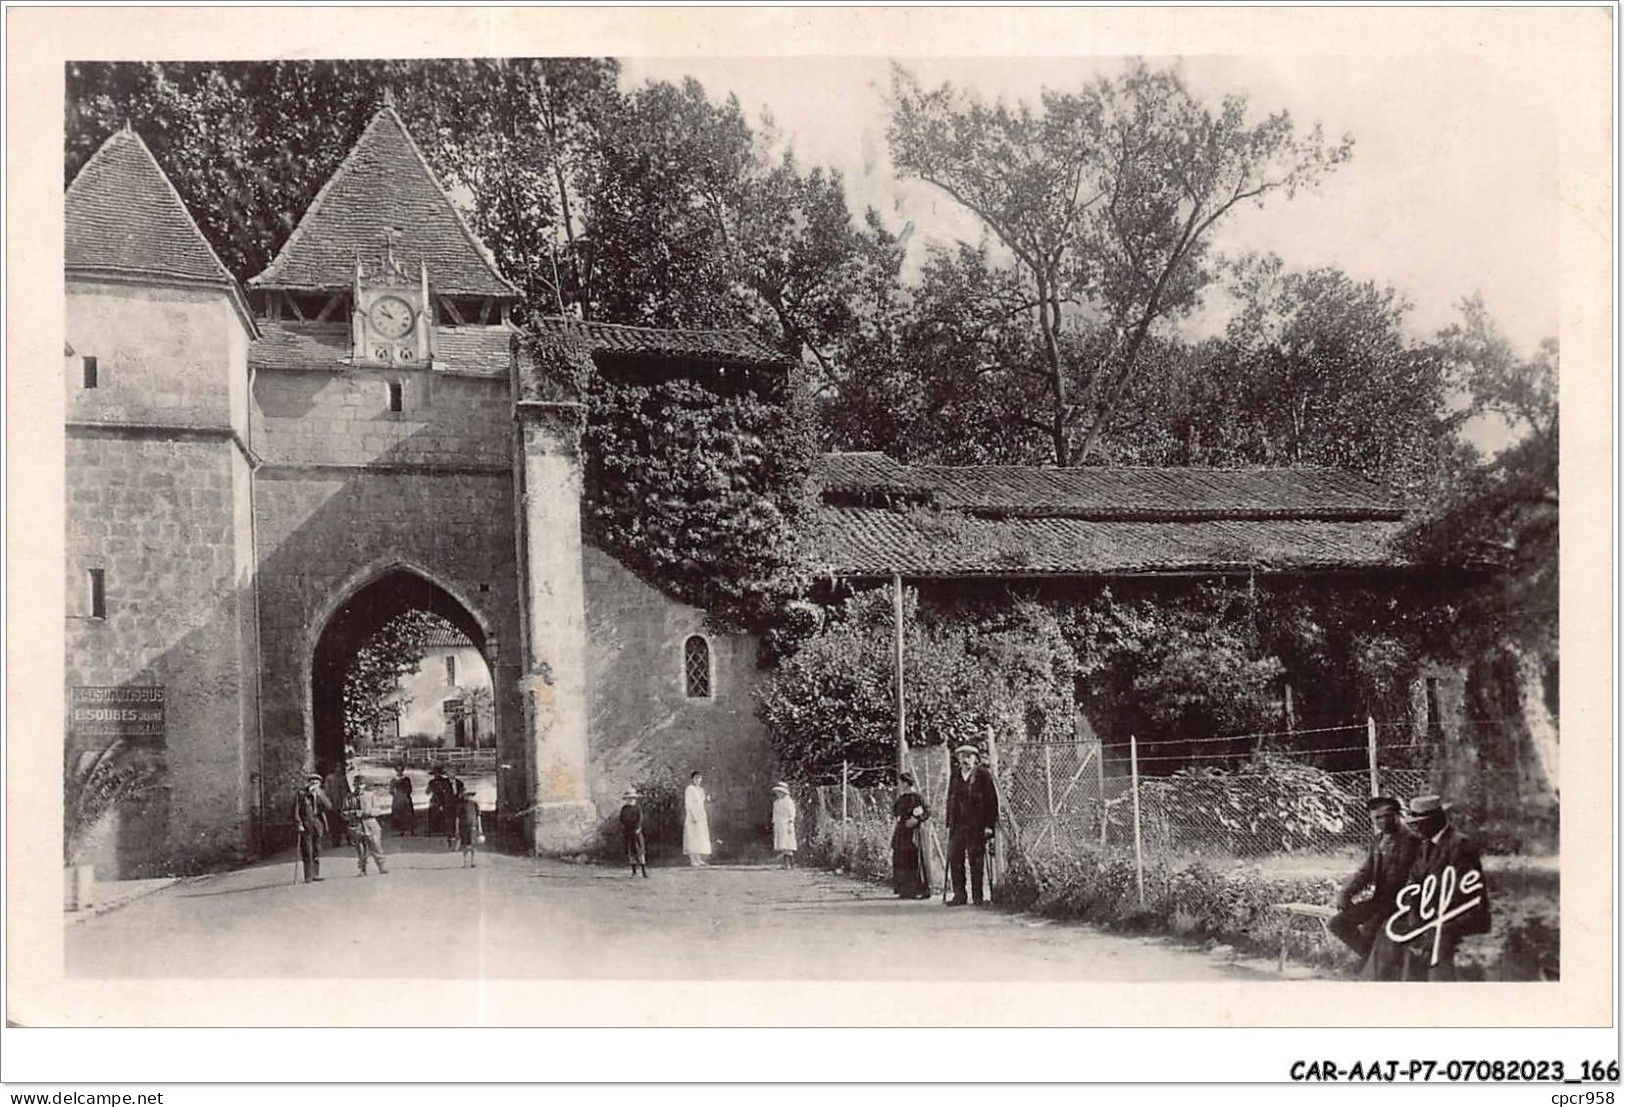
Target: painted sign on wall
pixel 118 712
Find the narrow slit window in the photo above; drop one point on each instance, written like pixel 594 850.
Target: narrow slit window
pixel 92 374
pixel 697 667
pixel 98 594
pixel 396 393
pixel 451 669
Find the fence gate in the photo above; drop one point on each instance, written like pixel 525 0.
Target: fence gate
pixel 1052 794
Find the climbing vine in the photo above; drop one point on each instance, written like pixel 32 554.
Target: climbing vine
pixel 700 491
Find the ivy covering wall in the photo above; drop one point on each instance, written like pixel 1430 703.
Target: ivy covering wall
pixel 700 491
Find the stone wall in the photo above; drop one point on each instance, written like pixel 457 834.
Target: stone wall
pixel 164 355
pixel 349 490
pixel 643 724
pixel 156 516
pixel 157 497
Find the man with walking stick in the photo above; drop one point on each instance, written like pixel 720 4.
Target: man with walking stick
pixel 973 813
pixel 310 810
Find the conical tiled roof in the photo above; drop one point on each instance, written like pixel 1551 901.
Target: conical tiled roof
pixel 124 218
pixel 384 183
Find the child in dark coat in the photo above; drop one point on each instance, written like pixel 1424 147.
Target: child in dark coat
pixel 637 854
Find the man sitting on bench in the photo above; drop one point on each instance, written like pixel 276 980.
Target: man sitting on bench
pixel 1386 869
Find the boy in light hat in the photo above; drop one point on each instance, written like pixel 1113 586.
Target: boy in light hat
pixel 637 854
pixel 468 827
pixel 784 824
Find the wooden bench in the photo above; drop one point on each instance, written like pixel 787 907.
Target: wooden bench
pixel 1316 911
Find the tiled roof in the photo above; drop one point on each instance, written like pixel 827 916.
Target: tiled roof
pixel 300 346
pixel 124 219
pixel 483 350
pixel 384 183
pixel 1012 520
pixel 323 346
pixel 734 346
pixel 1134 493
pixel 923 543
pixel 866 471
pixel 1118 493
pixel 446 637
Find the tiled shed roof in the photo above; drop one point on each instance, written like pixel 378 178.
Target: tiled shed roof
pixel 1137 493
pixel 123 219
pixel 1013 520
pixel 877 542
pixel 865 471
pixel 733 346
pixel 1117 493
pixel 384 183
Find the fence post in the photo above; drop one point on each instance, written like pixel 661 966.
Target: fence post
pixel 843 790
pixel 1134 779
pixel 897 645
pixel 995 875
pixel 1049 800
pixel 1100 790
pixel 1371 752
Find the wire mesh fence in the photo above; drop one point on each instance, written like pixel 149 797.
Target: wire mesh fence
pixel 1244 797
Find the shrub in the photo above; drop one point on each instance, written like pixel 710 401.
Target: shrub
pixel 1273 803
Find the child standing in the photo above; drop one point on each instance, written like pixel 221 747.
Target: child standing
pixel 468 827
pixel 637 854
pixel 784 824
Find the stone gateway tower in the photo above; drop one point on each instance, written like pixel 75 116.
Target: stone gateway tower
pixel 259 485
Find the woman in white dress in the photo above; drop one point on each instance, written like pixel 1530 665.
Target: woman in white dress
pixel 696 827
pixel 784 824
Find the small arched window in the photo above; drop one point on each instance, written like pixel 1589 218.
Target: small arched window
pixel 697 667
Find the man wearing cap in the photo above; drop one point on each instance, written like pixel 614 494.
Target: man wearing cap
pixel 310 810
pixel 637 853
pixel 973 813
pixel 360 813
pixel 1458 903
pixel 1385 871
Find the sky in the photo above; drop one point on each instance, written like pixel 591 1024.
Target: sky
pixel 1452 188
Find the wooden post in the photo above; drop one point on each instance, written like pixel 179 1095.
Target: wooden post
pixel 1371 752
pixel 993 872
pixel 1100 789
pixel 843 791
pixel 897 637
pixel 1134 781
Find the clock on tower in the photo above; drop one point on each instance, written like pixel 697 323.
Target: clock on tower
pixel 392 323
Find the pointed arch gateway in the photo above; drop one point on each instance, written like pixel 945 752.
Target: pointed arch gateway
pixel 393 591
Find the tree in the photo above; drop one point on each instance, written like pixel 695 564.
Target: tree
pixel 374 675
pixel 520 137
pixel 1315 368
pixel 834 698
pixel 1105 200
pixel 1504 512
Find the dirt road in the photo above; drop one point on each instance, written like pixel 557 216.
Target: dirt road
pixel 514 918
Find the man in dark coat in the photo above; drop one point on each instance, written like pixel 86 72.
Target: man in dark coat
pixel 442 815
pixel 1386 869
pixel 1446 899
pixel 310 811
pixel 973 813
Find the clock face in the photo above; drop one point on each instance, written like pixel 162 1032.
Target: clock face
pixel 391 316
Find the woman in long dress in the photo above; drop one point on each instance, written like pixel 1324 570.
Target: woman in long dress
pixel 784 824
pixel 908 875
pixel 696 827
pixel 402 814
